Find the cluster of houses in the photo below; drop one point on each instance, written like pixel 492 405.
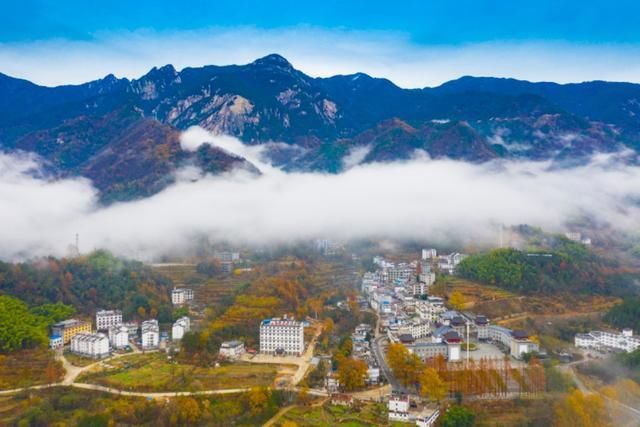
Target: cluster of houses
pixel 361 339
pixel 399 293
pixel 111 334
pixel 609 341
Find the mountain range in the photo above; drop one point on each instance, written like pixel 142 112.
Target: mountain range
pixel 124 134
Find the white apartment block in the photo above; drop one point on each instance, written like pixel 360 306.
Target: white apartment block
pixel 281 336
pixel 609 340
pixel 105 319
pixel 119 336
pixel 398 408
pixel 416 328
pixel 90 345
pixel 232 349
pixel 179 328
pixel 180 296
pixel 429 254
pixel 429 311
pixel 150 333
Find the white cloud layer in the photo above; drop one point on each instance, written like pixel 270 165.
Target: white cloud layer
pixel 318 52
pixel 421 198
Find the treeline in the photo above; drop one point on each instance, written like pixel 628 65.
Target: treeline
pixel 98 280
pixel 625 315
pixel 436 379
pixel 23 328
pixel 568 267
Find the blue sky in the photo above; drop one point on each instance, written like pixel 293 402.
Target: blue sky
pixel 415 43
pixel 426 22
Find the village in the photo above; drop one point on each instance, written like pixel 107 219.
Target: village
pixel 437 330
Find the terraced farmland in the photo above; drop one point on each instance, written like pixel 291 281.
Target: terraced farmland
pixel 208 292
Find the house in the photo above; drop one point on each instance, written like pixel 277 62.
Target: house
pixel 55 341
pixel 179 328
pixel 90 345
pixel 427 417
pixel 105 319
pixel 68 328
pixel 119 336
pixel 150 334
pixel 373 375
pixel 132 328
pixel 342 400
pixel 331 382
pixel 281 336
pixel 181 296
pixel 231 349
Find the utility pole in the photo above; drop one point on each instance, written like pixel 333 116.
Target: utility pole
pixel 467 342
pixel 77 244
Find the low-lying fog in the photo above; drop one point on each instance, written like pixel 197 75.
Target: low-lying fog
pixel 421 198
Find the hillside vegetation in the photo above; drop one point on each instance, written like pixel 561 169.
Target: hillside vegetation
pixel 98 280
pixel 566 267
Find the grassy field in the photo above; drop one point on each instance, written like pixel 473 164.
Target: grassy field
pixel 154 373
pixel 372 414
pixel 79 361
pixel 28 367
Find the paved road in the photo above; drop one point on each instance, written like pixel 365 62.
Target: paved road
pixel 384 367
pixel 569 368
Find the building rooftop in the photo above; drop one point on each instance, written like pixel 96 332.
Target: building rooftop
pixel 109 313
pixel 68 323
pixel 520 334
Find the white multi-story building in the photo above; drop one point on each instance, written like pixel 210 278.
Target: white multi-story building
pixel 429 254
pixel 430 310
pixel 119 336
pixel 232 349
pixel 416 328
pixel 90 345
pixel 609 340
pixel 55 341
pixel 179 328
pixel 281 336
pixel 448 263
pixel 180 296
pixel 398 408
pixel 150 334
pixel 517 342
pixel 105 319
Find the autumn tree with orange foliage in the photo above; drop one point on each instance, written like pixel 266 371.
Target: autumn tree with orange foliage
pixel 579 409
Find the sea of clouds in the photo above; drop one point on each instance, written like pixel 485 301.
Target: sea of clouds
pixel 417 199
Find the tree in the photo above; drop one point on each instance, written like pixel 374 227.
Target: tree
pixel 432 386
pixel 352 373
pixel 456 299
pixel 19 328
pixel 578 409
pixel 258 398
pixel 458 416
pixel 406 366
